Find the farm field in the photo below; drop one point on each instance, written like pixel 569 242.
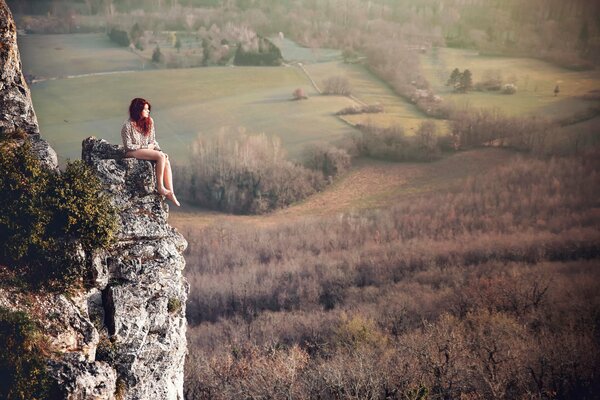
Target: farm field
pixel 535 80
pixel 187 103
pixel 371 90
pixel 55 56
pixel 292 52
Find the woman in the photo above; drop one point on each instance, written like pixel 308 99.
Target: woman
pixel 140 142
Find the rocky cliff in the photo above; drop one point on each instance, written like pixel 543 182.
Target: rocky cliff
pixel 123 335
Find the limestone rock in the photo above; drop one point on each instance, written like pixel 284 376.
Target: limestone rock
pixel 143 301
pixel 80 379
pixel 16 109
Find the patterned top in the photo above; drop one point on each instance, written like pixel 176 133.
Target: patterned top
pixel 133 139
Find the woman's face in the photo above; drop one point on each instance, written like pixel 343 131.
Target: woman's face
pixel 146 111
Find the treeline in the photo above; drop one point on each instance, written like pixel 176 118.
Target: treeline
pixel 563 32
pixel 482 292
pixel 250 174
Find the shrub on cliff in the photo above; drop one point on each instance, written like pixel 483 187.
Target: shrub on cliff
pixel 48 218
pixel 22 368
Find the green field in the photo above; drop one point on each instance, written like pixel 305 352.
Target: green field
pixel 371 90
pixel 187 103
pixel 203 101
pixel 535 81
pixel 55 56
pixel 292 52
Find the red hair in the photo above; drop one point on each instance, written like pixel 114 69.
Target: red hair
pixel 135 114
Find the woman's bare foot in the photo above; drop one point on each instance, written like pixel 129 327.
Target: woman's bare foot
pixel 171 196
pixel 163 192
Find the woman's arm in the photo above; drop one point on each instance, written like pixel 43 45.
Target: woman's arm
pixel 153 137
pixel 127 136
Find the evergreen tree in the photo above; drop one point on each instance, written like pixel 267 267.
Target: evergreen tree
pixel 454 77
pixel 157 55
pixel 466 81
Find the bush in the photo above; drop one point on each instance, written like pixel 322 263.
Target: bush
pixel 339 85
pixel 22 367
pixel 299 94
pixel 393 145
pixel 329 160
pixel 509 88
pixel 367 109
pixel 477 127
pixel 157 55
pixel 119 36
pixel 47 219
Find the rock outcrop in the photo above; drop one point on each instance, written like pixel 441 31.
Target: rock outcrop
pixel 142 288
pixel 16 108
pixel 124 335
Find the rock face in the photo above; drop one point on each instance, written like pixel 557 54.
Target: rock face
pixel 143 291
pixel 124 336
pixel 16 110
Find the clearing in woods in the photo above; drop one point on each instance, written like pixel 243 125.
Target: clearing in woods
pixel 369 184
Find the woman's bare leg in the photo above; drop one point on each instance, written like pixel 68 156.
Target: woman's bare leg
pixel 169 181
pixel 159 157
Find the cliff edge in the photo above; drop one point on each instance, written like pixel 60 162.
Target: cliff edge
pixel 121 335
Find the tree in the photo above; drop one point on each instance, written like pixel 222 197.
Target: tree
pixel 466 82
pixel 157 55
pixel 454 77
pixel 136 33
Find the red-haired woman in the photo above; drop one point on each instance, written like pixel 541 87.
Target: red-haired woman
pixel 140 142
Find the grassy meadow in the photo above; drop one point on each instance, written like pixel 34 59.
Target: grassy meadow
pixel 534 79
pixel 187 103
pixel 56 56
pixel 371 90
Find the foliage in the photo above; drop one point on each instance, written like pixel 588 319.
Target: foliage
pixel 47 218
pixel 509 88
pixel 349 55
pixel 119 36
pixel 174 305
pixel 245 174
pixel 476 127
pixel 462 82
pixel 366 109
pixel 339 85
pixel 485 291
pixel 299 94
pixel 260 52
pixel 329 160
pixel 157 55
pixel 393 145
pixel 22 365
